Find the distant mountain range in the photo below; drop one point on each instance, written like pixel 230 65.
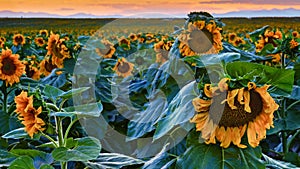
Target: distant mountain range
pixel 290 12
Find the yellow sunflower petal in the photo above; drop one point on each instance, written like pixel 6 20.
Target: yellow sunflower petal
pixel 247 101
pixel 201 105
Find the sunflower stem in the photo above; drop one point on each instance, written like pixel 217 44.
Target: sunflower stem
pixel 285 148
pixel 50 139
pixel 68 130
pixel 282 61
pixel 292 139
pixel 4 98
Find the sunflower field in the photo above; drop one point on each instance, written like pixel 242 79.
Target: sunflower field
pixel 150 94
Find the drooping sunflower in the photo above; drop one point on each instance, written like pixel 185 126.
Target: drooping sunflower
pixel 123 67
pixel 18 39
pixel 39 41
pixel 11 68
pixel 229 113
pixel 44 32
pixel 57 49
pixel 202 36
pixel 46 66
pixel 23 102
pixel 28 114
pixel 162 49
pixel 108 51
pixel 269 37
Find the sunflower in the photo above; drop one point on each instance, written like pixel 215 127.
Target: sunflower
pixel 123 67
pixel 44 32
pixel 149 37
pixel 23 102
pixel 125 43
pixel 32 72
pixel 162 49
pixel 28 114
pixel 39 41
pixel 201 38
pixel 11 68
pixel 33 124
pixel 2 44
pixel 293 44
pixel 133 37
pixel 108 51
pixel 229 113
pixel 231 37
pixel 238 41
pixel 46 66
pixel 295 34
pixel 18 39
pixel 57 49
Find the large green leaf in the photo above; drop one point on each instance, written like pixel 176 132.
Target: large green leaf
pixel 179 111
pixel 280 79
pixel 87 148
pixel 277 164
pixel 213 156
pixel 143 122
pixel 18 134
pixel 23 162
pixel 52 92
pixel 6 158
pixel 91 110
pixel 30 153
pixel 113 161
pixel 68 94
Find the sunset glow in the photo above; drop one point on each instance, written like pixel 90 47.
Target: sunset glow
pixel 131 7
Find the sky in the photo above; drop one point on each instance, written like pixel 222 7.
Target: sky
pixel 132 7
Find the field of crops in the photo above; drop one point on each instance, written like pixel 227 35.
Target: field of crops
pixel 199 92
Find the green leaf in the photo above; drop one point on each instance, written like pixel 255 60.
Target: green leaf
pixel 113 161
pixel 179 111
pixel 270 162
pixel 27 152
pixel 72 92
pixel 143 122
pixel 255 34
pixel 88 148
pixel 279 79
pixel 23 162
pixel 16 134
pixel 6 158
pixel 91 109
pixel 46 166
pixel 213 156
pixel 161 160
pixel 7 122
pixel 52 92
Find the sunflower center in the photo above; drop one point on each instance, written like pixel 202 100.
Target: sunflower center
pixel 106 50
pixel 49 67
pixel 29 72
pixel 8 68
pixel 19 39
pixel 123 67
pixel 200 40
pixel 227 117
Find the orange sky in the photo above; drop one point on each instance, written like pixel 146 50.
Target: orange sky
pixel 130 7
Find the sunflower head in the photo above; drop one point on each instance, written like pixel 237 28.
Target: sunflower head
pixel 44 33
pixel 57 49
pixel 123 67
pixel 202 34
pixel 133 37
pixel 124 43
pixel 295 34
pixel 108 50
pixel 46 66
pixel 229 113
pixel 18 39
pixel 293 44
pixel 28 114
pixel 11 68
pixel 39 41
